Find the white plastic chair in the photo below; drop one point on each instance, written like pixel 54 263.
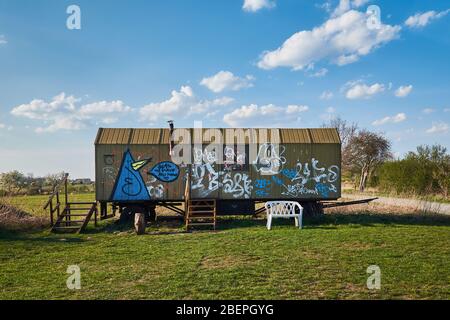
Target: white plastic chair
pixel 284 209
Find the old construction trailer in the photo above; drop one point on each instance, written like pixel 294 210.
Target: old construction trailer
pixel 135 171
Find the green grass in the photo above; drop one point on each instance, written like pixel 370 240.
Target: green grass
pixel 35 204
pixel 242 260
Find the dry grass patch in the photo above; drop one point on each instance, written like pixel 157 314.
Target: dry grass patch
pixel 380 208
pixel 227 262
pixel 15 219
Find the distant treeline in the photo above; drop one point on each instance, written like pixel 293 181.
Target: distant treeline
pixel 16 183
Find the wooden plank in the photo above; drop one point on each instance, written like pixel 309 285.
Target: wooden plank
pixel 347 203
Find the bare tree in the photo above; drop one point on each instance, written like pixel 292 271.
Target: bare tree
pixel 346 130
pixel 53 179
pixel 364 152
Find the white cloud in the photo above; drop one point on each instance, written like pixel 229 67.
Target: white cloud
pixel 267 115
pixel 325 6
pixel 428 110
pixel 292 109
pixel 447 110
pixel 400 117
pixel 346 5
pixel 104 107
pixel 5 127
pixel 255 5
pixel 109 120
pixel 330 113
pixel 62 113
pixel 320 73
pixel 205 105
pixel 174 104
pixel 439 127
pixel 226 80
pixel 359 90
pixel 183 101
pixel 340 40
pixel 3 39
pixel 326 95
pixel 420 20
pixel 403 91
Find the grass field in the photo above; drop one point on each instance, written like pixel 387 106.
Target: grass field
pixel 242 260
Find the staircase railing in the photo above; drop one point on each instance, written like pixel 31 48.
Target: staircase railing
pixel 55 195
pixel 187 195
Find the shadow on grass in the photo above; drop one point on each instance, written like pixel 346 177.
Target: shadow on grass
pixel 328 221
pixel 6 235
pixel 332 221
pixel 176 226
pixel 371 219
pixel 164 226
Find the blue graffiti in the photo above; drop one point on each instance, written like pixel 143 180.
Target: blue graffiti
pixel 262 183
pixel 290 173
pixel 166 171
pixel 323 189
pixel 261 193
pixel 277 180
pixel 129 183
pixel 262 187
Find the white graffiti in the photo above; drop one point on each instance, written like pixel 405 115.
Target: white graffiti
pixel 205 156
pixel 269 161
pixel 308 178
pixel 322 179
pixel 199 173
pixel 240 186
pixel 206 179
pixel 155 191
pixel 232 160
pixel 110 174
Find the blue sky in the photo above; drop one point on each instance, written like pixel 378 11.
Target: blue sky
pixel 238 63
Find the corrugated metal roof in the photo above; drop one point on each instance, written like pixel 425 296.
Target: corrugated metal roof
pixel 295 136
pixel 162 136
pixel 324 135
pixel 146 136
pixel 113 136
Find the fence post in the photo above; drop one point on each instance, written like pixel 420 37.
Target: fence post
pixel 58 209
pixel 51 213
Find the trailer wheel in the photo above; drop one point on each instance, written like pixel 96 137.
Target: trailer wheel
pixel 139 223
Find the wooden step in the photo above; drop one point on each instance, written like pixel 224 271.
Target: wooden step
pixel 72 221
pixel 65 221
pixel 201 203
pixel 197 214
pixel 81 203
pixel 201 212
pixel 67 227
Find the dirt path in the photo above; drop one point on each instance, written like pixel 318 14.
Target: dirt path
pixel 411 203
